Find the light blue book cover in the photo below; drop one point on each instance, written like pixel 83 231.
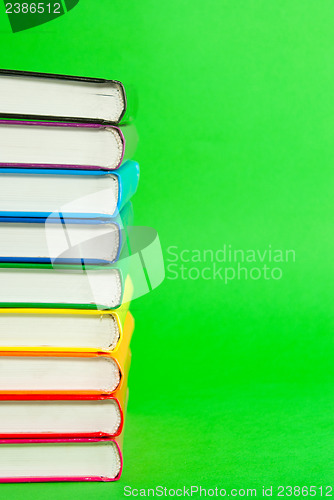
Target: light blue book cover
pixel 99 206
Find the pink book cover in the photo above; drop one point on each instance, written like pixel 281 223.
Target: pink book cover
pixel 50 478
pixel 13 123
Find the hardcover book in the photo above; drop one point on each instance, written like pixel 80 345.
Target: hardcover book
pixel 31 95
pixel 62 286
pixel 86 194
pixel 65 145
pixel 40 460
pixel 67 330
pixel 64 240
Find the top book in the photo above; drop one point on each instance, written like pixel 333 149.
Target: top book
pixel 29 95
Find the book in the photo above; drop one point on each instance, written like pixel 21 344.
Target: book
pixel 65 145
pixel 40 371
pixel 39 460
pixel 30 374
pixel 59 330
pixel 31 95
pixel 25 417
pixel 64 240
pixel 44 193
pixel 63 286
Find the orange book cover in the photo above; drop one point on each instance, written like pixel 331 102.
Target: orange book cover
pixel 117 356
pixel 120 397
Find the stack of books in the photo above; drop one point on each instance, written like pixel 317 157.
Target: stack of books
pixel 66 181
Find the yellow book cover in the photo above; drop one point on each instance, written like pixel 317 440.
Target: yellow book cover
pixel 52 369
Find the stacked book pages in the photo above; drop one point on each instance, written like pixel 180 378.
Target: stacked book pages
pixel 66 181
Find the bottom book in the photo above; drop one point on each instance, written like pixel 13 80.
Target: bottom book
pixel 39 460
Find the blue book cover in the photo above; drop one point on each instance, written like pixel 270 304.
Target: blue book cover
pixel 20 186
pixel 64 240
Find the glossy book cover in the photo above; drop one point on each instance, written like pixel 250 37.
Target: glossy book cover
pixel 64 240
pixel 103 194
pixel 54 454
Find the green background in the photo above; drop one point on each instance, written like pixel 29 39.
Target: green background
pixel 231 385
